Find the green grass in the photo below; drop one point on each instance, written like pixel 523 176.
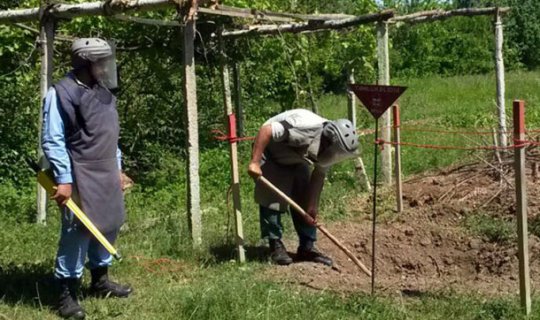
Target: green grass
pixel 465 103
pixel 493 229
pixel 204 284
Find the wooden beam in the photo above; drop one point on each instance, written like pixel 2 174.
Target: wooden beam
pixel 271 15
pixel 152 22
pixel 46 45
pixel 397 158
pixel 384 79
pixel 311 27
pixel 245 13
pixel 359 168
pixel 238 99
pixel 36 31
pixel 499 70
pixel 436 15
pixel 69 11
pixel 108 8
pixel 521 206
pixel 191 118
pixel 233 152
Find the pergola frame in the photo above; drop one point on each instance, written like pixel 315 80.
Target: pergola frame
pixel 290 23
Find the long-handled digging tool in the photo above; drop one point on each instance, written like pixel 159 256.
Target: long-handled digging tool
pixel 307 217
pixel 47 182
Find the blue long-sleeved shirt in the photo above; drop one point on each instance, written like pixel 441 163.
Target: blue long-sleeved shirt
pixel 53 139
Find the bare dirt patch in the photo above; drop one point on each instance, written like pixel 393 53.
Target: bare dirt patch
pixel 429 247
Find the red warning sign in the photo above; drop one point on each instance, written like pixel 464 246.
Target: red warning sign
pixel 377 98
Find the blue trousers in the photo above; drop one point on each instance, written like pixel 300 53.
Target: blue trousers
pixel 272 228
pixel 76 242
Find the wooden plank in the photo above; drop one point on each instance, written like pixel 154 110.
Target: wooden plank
pixel 521 206
pixel 311 27
pixel 46 44
pixel 397 158
pixel 233 151
pixel 499 70
pixel 191 116
pixel 384 79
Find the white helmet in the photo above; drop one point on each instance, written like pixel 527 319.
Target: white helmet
pixel 99 56
pixel 342 132
pixel 343 142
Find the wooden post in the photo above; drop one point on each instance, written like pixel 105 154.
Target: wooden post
pixel 233 150
pixel 384 79
pixel 351 105
pixel 397 158
pixel 238 99
pixel 191 117
pixel 46 43
pixel 359 168
pixel 496 144
pixel 499 68
pixel 521 205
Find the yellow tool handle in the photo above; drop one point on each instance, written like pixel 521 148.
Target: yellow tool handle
pixel 46 182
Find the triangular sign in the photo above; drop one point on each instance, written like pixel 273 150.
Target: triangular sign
pixel 376 98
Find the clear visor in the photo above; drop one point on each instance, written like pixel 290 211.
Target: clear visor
pixel 335 154
pixel 104 71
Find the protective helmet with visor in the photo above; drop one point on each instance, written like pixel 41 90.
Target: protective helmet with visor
pixel 343 142
pixel 100 56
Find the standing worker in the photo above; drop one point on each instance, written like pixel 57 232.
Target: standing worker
pixel 284 149
pixel 80 140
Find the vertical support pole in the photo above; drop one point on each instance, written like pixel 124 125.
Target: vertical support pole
pixel 233 150
pixel 521 205
pixel 384 79
pixel 374 213
pixel 397 158
pixel 46 42
pixel 359 167
pixel 351 105
pixel 191 117
pixel 238 99
pixel 499 68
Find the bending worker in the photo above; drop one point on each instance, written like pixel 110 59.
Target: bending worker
pixel 80 140
pixel 284 149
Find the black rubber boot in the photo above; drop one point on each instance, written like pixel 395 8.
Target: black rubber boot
pixel 278 253
pixel 313 255
pixel 101 286
pixel 68 303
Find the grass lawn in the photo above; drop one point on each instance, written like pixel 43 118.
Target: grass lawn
pixel 172 281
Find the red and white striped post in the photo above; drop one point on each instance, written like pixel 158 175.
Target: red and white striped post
pixel 397 158
pixel 521 205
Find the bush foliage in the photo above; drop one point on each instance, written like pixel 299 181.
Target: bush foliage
pixel 276 72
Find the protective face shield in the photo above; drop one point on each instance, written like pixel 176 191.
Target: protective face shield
pixel 343 142
pixel 105 72
pixel 101 57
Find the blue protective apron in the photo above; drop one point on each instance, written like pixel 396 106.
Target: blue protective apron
pixel 92 132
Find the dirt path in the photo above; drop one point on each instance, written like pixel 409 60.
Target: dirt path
pixel 428 247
